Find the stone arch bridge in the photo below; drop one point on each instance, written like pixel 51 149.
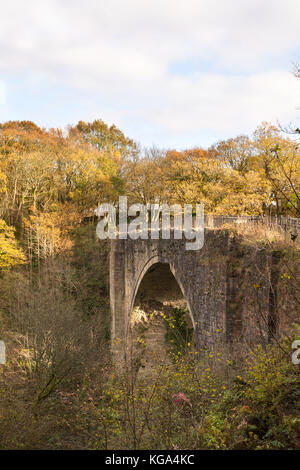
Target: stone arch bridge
pixel 230 289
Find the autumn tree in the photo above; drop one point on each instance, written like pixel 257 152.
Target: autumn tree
pixel 108 139
pixel 42 171
pixel 279 159
pixel 10 252
pixel 236 153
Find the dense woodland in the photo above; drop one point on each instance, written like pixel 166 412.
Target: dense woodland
pixel 52 180
pixel 59 388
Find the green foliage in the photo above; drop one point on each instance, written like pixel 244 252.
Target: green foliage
pixel 90 261
pixel 178 335
pixel 262 409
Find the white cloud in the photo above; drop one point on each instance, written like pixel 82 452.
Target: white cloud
pixel 120 53
pixel 225 103
pixel 2 93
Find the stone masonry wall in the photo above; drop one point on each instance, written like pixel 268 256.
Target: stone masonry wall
pixel 230 288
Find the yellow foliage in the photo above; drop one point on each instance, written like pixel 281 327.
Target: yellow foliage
pixel 10 253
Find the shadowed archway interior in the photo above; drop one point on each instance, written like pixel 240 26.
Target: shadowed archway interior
pixel 159 284
pixel 160 314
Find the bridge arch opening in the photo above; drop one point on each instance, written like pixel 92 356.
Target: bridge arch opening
pixel 160 317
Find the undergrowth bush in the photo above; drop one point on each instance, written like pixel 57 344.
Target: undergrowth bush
pixel 193 402
pixel 59 389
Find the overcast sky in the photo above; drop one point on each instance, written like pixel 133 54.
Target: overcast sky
pixel 171 73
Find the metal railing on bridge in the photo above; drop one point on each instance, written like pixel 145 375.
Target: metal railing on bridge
pixel 286 222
